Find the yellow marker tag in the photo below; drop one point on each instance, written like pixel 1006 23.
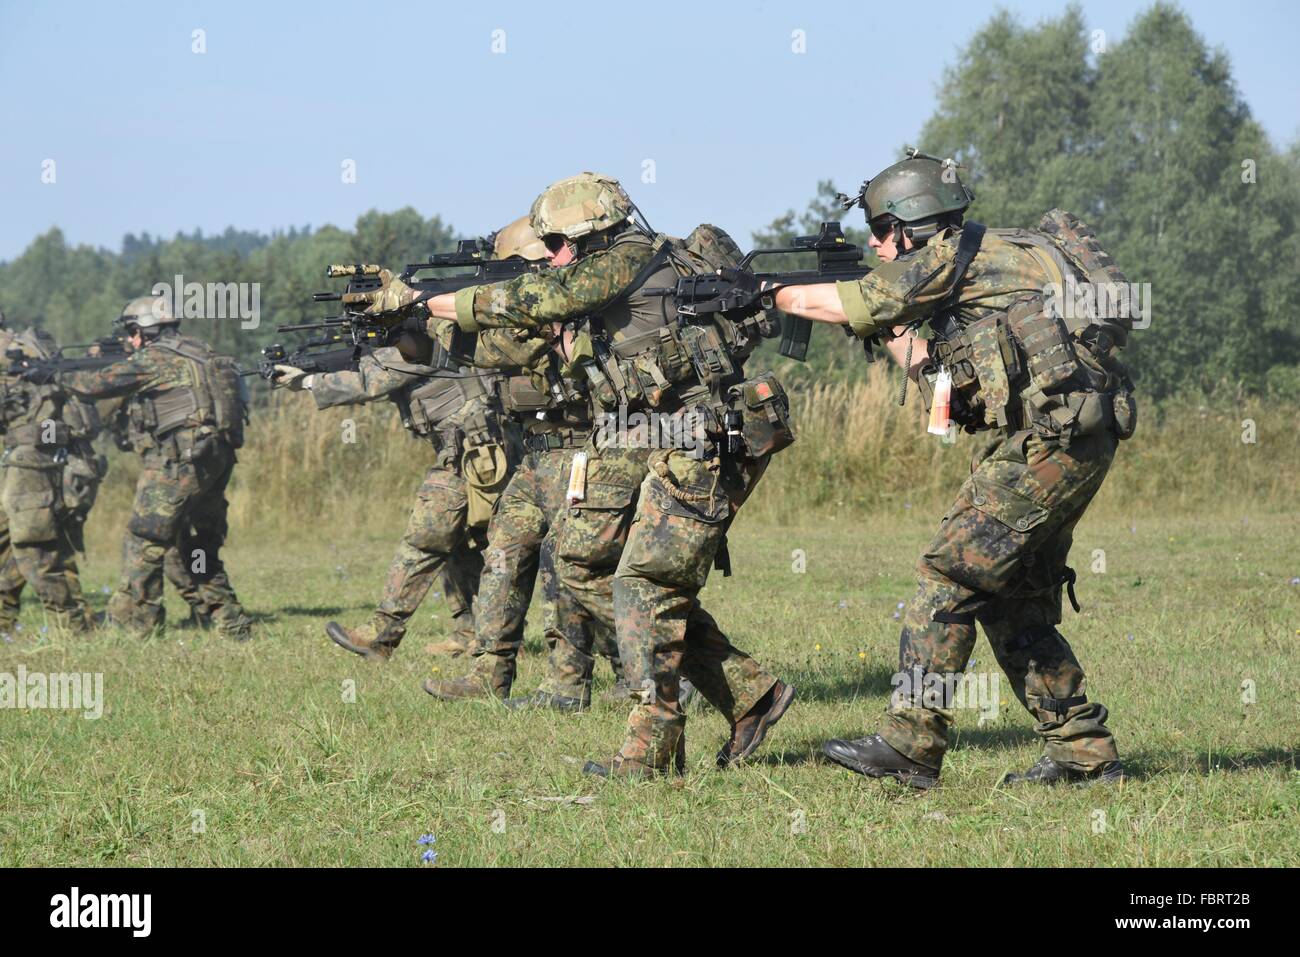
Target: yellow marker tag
pixel 941 406
pixel 577 491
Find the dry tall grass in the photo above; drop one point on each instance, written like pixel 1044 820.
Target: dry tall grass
pixel 857 451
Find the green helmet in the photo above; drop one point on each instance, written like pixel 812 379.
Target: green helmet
pixel 921 187
pixel 580 205
pixel 147 312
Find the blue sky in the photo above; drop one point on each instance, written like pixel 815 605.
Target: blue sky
pixel 149 136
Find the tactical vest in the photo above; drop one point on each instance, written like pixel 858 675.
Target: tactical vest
pixel 647 357
pixel 1033 366
pixel 546 420
pixel 215 396
pixel 44 416
pixel 430 403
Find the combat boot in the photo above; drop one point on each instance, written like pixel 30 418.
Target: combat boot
pixel 544 699
pixel 876 758
pixel 748 733
pixel 460 689
pixel 1047 771
pixel 363 641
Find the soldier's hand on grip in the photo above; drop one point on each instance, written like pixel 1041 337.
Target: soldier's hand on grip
pixel 389 303
pixel 290 377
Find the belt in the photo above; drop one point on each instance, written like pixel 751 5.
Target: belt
pixel 557 439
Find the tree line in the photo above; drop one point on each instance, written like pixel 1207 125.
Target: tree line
pixel 1144 136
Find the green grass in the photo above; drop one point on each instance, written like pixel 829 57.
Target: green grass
pixel 259 738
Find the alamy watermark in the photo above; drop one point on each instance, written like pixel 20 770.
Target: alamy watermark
pixel 1099 300
pixel 56 691
pixel 972 690
pixel 684 430
pixel 212 300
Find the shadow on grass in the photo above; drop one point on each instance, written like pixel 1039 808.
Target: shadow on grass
pixel 857 684
pixel 1148 765
pixel 303 611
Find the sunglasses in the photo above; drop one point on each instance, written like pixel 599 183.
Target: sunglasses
pixel 554 243
pixel 881 228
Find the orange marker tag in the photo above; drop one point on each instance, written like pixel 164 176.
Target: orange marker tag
pixel 577 479
pixel 941 406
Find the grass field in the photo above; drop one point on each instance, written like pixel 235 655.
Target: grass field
pixel 257 743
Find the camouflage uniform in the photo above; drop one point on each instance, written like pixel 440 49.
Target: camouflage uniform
pixel 999 556
pixel 51 474
pixel 186 420
pixel 440 542
pixel 520 539
pixel 635 551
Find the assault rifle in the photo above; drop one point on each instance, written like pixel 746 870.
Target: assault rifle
pixel 470 265
pixel 318 355
pixel 107 350
pixel 740 289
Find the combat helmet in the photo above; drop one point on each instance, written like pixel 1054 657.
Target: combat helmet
pixel 147 312
pixel 579 206
pixel 919 193
pixel 518 239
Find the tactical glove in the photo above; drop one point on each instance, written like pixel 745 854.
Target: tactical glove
pixel 389 303
pixel 290 377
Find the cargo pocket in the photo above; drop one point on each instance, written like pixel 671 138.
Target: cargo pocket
pixel 593 531
pixel 1013 509
pixel 437 522
pixel 31 515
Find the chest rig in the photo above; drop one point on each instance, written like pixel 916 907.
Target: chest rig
pixel 1035 366
pixel 211 397
pixel 650 357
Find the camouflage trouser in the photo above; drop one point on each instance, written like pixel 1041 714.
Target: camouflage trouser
pixel 635 555
pixel 438 544
pixel 1000 559
pixel 520 544
pixel 34 550
pixel 176 530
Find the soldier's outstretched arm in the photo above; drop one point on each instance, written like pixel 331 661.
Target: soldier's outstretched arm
pixel 537 301
pixel 132 374
pixel 374 378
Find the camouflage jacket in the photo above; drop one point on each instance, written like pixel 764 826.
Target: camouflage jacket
pixel 142 379
pixel 533 301
pixel 377 376
pixel 41 415
pixel 909 289
pixel 441 406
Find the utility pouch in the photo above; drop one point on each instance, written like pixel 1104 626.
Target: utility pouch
pixel 1045 343
pixel 486 470
pixel 765 410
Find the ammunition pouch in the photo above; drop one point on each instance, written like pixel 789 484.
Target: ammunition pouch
pixel 41 435
pixel 764 409
pixel 486 469
pixel 82 473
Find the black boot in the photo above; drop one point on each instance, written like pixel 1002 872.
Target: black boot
pixel 543 699
pixel 876 758
pixel 1047 771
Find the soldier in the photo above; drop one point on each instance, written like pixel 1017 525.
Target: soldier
pixel 555 417
pixel 476 447
pixel 51 475
pixel 1056 401
pixel 186 416
pixel 644 525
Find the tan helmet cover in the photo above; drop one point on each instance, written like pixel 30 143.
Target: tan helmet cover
pixel 518 239
pixel 580 205
pixel 148 312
